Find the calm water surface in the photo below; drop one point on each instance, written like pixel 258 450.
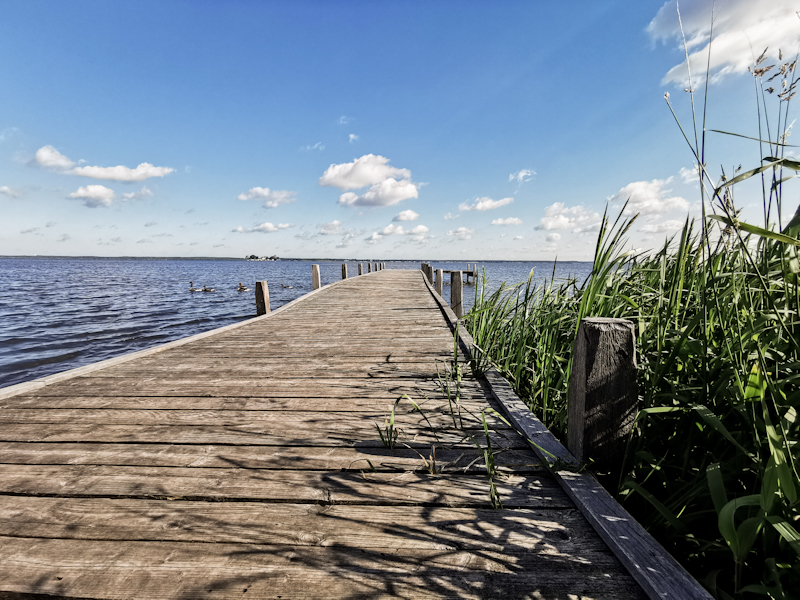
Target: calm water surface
pixel 62 313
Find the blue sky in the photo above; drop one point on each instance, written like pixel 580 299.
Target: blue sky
pixel 431 130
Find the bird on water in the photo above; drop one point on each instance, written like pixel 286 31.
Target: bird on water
pixel 242 288
pixel 192 288
pixel 208 289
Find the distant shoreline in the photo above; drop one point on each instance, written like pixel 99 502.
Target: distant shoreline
pixel 349 260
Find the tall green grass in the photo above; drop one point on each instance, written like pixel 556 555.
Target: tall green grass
pixel 711 468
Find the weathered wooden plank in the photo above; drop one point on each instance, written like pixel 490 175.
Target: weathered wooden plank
pixel 77 568
pixel 317 458
pixel 366 488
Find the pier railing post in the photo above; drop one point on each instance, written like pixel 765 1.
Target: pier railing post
pixel 456 287
pixel 316 282
pixel 603 394
pixel 262 298
pixel 344 270
pixel 360 269
pixel 439 282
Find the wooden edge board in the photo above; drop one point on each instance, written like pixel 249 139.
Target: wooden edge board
pixel 653 568
pixel 35 384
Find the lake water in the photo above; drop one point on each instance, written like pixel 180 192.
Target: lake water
pixel 62 313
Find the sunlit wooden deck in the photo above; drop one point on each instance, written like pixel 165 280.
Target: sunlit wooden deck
pixel 247 463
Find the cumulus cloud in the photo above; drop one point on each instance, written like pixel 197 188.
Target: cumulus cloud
pixel 665 227
pixel 271 198
pixel 519 237
pixel 94 195
pixel 485 203
pixel 142 193
pixel 31 230
pixel 353 138
pixel 374 238
pixel 649 198
pixel 387 185
pixel 64 237
pixel 50 158
pixel 263 228
pixel 386 193
pixel 577 218
pixel 51 224
pixel 508 221
pixel 406 215
pixel 344 120
pixel 370 169
pixel 7 191
pixel 553 237
pixel 522 176
pixel 450 216
pixel 741 27
pixel 393 230
pixel 462 233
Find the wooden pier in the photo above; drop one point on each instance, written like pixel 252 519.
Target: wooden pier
pixel 247 462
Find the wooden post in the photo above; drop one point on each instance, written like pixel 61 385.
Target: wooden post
pixel 369 267
pixel 344 270
pixel 316 283
pixel 456 286
pixel 360 269
pixel 603 395
pixel 262 298
pixel 439 282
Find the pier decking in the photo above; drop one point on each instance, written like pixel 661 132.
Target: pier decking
pixel 247 463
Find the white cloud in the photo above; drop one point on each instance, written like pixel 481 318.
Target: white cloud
pixel 344 120
pixel 665 227
pixel 145 192
pixel 7 191
pixel 122 173
pixel 370 169
pixel 450 216
pixel 319 146
pixel 347 240
pixel 386 193
pixel 553 237
pixel 462 233
pixel 485 203
pixel 406 215
pixel 393 230
pixel 50 158
pixel 648 198
pixel 419 230
pixel 332 228
pixel 689 175
pixel 508 221
pixel 558 216
pixel 353 138
pixel 519 237
pixel 94 195
pixel 741 28
pixel 521 177
pixel 263 228
pixel 271 198
pixel 374 238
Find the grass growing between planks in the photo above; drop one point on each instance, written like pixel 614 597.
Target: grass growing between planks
pixel 711 469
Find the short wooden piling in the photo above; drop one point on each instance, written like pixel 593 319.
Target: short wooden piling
pixel 369 267
pixel 262 298
pixel 360 269
pixel 438 284
pixel 456 286
pixel 316 282
pixel 344 270
pixel 603 394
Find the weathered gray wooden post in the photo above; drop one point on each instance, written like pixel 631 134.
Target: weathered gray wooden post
pixel 438 283
pixel 360 269
pixel 316 282
pixel 262 298
pixel 429 272
pixel 456 287
pixel 603 394
pixel 344 270
pixel 369 267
